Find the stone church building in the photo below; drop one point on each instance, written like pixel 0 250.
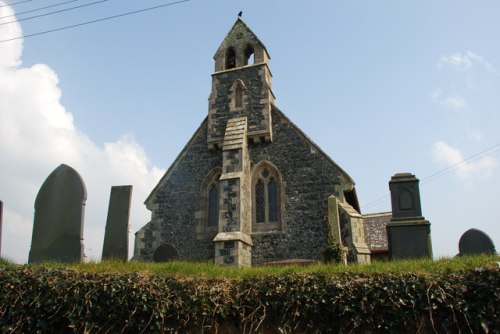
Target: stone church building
pixel 249 187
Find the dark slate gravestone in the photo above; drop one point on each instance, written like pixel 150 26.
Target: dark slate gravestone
pixel 58 225
pixel 116 235
pixel 475 241
pixel 408 233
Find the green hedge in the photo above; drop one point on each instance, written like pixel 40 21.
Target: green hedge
pixel 36 299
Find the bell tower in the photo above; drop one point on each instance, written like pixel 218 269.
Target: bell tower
pixel 239 111
pixel 241 87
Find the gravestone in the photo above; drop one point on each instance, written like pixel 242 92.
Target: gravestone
pixel 116 234
pixel 408 233
pixel 474 242
pixel 58 224
pixel 353 233
pixel 333 221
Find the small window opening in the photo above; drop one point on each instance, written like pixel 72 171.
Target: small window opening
pixel 213 206
pixel 249 56
pixel 238 96
pixel 230 59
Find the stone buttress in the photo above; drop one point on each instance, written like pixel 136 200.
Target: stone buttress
pixel 233 242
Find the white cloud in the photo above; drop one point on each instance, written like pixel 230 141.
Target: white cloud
pixel 11 51
pixel 478 168
pixel 453 102
pixel 37 134
pixel 464 61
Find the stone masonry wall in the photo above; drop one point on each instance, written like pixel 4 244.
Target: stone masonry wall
pixel 308 179
pixel 178 199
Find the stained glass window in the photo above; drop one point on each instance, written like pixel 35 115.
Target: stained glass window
pixel 272 191
pixel 260 203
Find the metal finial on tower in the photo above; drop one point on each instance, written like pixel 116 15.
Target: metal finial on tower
pixel 240 13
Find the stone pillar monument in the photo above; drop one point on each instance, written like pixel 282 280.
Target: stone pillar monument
pixel 115 245
pixel 233 244
pixel 408 233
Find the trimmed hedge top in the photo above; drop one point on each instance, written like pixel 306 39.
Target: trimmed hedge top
pixel 39 299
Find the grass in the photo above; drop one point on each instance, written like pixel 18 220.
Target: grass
pixel 209 270
pixel 5 261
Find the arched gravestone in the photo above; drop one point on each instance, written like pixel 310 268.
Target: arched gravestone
pixel 165 253
pixel 58 224
pixel 475 241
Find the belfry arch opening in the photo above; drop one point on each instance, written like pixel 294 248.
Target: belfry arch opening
pixel 249 55
pixel 230 58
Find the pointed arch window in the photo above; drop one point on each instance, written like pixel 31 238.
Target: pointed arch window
pixel 266 196
pixel 230 58
pixel 238 96
pixel 238 91
pixel 207 216
pixel 213 206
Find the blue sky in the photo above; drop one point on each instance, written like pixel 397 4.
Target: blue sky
pixel 382 87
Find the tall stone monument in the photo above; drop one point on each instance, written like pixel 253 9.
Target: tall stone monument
pixel 116 235
pixel 409 234
pixel 58 224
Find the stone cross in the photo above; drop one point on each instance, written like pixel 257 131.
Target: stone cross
pixel 116 234
pixel 474 242
pixel 58 224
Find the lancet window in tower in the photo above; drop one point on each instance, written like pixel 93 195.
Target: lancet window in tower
pixel 238 95
pixel 230 58
pixel 266 199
